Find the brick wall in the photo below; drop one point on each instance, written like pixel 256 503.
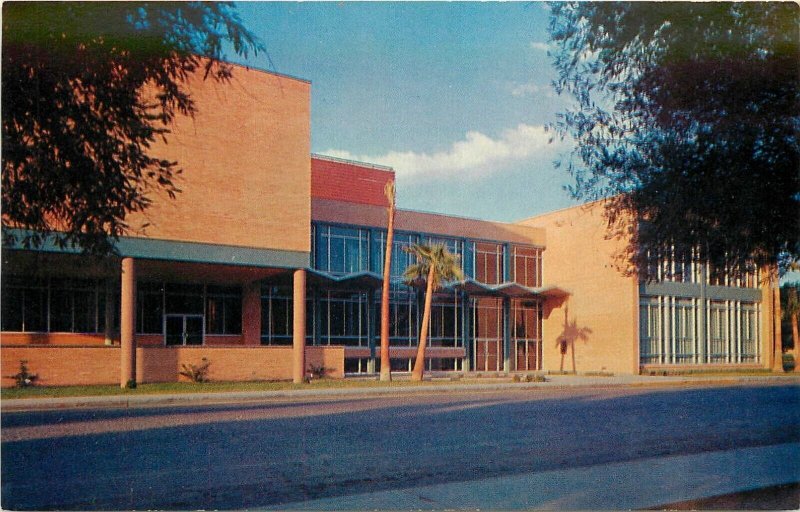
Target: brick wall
pixel 246 165
pixel 59 366
pixel 600 318
pixel 348 181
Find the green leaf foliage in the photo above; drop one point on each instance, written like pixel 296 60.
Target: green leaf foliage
pixel 686 117
pixel 445 265
pixel 76 129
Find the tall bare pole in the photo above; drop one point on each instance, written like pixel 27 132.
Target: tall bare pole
pixel 386 366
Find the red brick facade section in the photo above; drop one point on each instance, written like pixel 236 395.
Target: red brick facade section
pixel 329 210
pixel 61 366
pixel 348 181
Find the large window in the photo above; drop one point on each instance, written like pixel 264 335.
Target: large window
pixel 451 244
pixel 341 250
pixel 528 266
pixel 489 263
pixel 748 329
pixel 277 315
pixel 527 334
pixel 219 306
pixel 53 305
pixel 718 332
pixel 400 258
pixel 344 318
pixel 487 326
pixel 672 265
pixel 402 318
pixel 223 310
pixel 150 308
pixel 445 321
pixel 671 331
pixel 650 331
pixel 685 331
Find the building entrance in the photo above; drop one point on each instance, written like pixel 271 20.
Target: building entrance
pixel 184 329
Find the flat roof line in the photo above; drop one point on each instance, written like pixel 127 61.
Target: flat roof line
pixel 353 162
pixel 266 71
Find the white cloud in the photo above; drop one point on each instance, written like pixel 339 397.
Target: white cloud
pixel 538 45
pixel 531 89
pixel 475 156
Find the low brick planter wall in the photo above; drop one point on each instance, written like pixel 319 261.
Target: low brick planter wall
pixel 86 365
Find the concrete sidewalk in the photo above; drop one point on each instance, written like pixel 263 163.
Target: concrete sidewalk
pixel 553 381
pixel 644 483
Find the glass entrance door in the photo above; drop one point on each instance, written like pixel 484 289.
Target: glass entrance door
pixel 184 329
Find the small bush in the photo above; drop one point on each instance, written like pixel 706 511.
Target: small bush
pixel 535 378
pixel 788 362
pixel 516 378
pixel 317 372
pixel 24 378
pixel 196 373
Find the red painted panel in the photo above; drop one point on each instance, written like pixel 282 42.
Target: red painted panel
pixel 349 181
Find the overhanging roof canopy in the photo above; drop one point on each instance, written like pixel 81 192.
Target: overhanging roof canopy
pixel 353 281
pixel 508 289
pixel 357 280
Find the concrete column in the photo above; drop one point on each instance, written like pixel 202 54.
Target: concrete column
pixel 299 327
pixel 128 324
pixel 251 313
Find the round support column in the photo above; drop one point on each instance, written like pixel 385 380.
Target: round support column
pixel 299 327
pixel 127 324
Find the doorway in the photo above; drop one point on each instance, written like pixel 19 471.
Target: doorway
pixel 184 329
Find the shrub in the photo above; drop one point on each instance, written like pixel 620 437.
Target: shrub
pixel 516 378
pixel 317 372
pixel 788 362
pixel 197 373
pixel 24 378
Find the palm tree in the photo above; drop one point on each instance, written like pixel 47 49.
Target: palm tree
pixel 435 264
pixel 792 311
pixel 386 367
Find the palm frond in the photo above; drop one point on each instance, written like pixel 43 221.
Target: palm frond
pixel 446 265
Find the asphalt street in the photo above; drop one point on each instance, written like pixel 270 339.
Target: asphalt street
pixel 284 452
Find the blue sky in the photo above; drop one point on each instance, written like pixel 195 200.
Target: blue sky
pixel 453 96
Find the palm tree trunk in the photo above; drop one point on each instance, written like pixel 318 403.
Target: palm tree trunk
pixel 419 364
pixel 795 341
pixel 386 366
pixel 777 345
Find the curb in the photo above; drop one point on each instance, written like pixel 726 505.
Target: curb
pixel 555 382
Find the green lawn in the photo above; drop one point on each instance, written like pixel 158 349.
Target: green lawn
pixel 211 387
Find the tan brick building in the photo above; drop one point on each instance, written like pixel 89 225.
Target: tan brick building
pixel 270 259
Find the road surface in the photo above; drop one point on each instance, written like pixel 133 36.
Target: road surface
pixel 284 452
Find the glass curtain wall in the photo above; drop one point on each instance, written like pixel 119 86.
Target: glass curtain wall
pixel 341 250
pixel 344 317
pixel 671 265
pixel 487 329
pixel 527 334
pixel 671 331
pixel 489 258
pixel 53 305
pixel 527 266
